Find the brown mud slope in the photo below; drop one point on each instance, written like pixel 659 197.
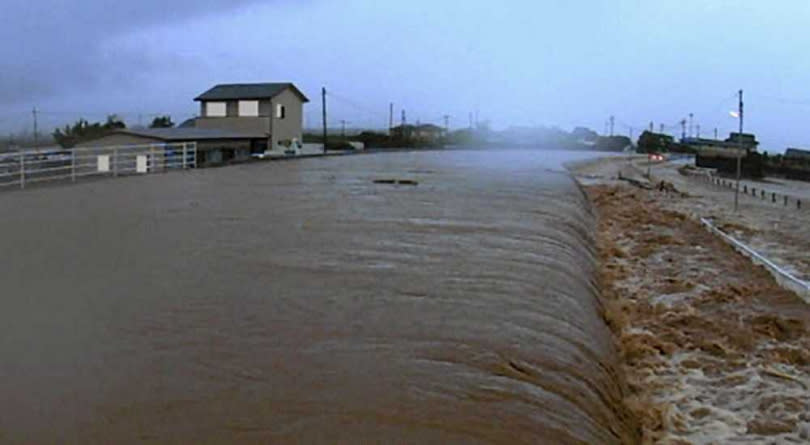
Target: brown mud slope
pixel 713 349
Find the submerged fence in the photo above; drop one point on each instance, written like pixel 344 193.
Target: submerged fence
pixel 21 168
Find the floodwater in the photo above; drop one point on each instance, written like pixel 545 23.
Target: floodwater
pixel 301 302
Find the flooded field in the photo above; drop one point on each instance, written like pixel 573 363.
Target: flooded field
pixel 304 302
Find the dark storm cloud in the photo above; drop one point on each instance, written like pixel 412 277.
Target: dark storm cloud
pixel 52 47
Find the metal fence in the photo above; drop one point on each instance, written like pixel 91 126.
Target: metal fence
pixel 21 168
pixel 781 199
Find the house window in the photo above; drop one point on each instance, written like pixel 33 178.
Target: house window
pixel 281 111
pixel 248 108
pixel 216 109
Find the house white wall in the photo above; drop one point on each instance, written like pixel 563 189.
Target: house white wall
pixel 290 128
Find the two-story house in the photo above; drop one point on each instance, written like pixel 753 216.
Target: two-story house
pixel 274 109
pixel 236 121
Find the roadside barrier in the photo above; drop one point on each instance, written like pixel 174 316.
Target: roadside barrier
pixel 783 277
pixel 761 193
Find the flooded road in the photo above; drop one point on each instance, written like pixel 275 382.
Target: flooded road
pixel 303 302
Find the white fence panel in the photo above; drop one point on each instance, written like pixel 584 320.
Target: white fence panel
pixel 42 165
pixel 141 164
pixel 103 163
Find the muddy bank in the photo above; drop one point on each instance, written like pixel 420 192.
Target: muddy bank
pixel 305 302
pixel 713 349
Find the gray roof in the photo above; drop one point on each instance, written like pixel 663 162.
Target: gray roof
pixel 190 134
pixel 797 153
pixel 235 91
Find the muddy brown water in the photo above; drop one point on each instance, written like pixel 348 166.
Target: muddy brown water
pixel 301 302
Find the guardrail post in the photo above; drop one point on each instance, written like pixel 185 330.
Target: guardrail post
pixel 745 189
pixel 773 197
pixel 73 165
pixel 152 167
pixel 22 169
pixel 185 155
pixel 115 161
pixel 763 194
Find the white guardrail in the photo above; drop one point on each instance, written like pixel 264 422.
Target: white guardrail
pixel 783 277
pixel 19 168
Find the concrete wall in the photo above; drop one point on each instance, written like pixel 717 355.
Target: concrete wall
pixel 291 127
pixel 252 125
pixel 264 108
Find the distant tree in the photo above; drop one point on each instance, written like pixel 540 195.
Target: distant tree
pixel 650 142
pixel 114 123
pixel 461 137
pixel 162 122
pixel 612 143
pixel 584 134
pixel 82 130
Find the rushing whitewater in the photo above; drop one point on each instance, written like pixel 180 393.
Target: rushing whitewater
pixel 304 302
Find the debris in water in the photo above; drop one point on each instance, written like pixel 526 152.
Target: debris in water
pixel 396 181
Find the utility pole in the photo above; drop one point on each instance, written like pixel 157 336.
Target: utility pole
pixel 739 155
pixel 715 133
pixel 36 128
pixel 390 117
pixel 683 129
pixel 690 124
pixel 323 100
pixel 612 123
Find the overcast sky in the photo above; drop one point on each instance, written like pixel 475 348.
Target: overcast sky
pixel 517 62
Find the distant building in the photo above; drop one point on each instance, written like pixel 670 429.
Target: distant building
pixel 236 121
pixel 273 109
pixel 424 134
pixel 796 164
pixel 747 140
pixel 722 155
pixel 733 142
pixel 797 154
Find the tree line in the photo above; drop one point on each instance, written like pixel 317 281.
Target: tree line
pixel 82 130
